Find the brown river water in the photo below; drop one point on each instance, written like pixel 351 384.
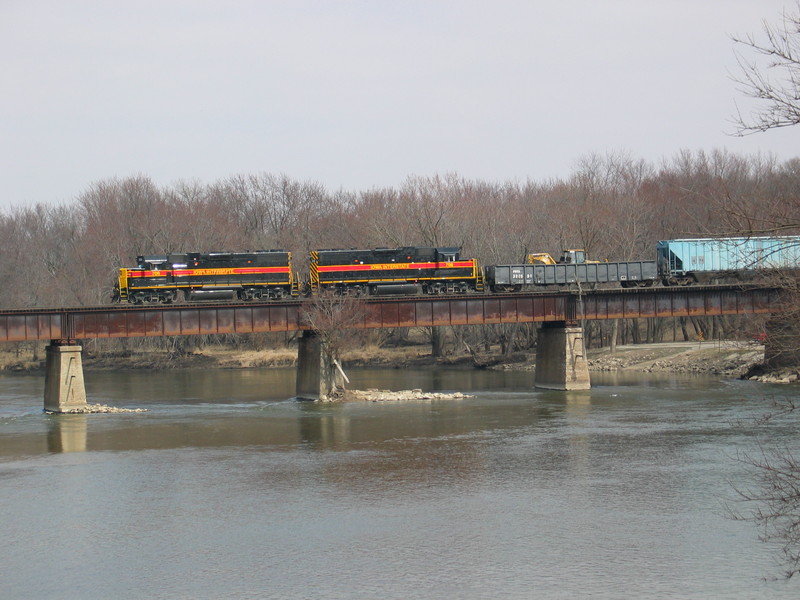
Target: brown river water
pixel 228 488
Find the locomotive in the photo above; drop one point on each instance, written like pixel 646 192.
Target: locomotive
pixel 409 270
pixel 269 275
pixel 168 278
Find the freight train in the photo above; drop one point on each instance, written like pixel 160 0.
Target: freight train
pixel 270 275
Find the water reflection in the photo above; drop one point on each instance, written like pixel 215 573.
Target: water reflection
pixel 67 433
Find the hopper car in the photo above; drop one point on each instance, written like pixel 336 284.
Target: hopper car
pixel 712 260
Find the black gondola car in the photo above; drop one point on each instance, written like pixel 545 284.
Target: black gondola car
pixel 408 270
pixel 165 278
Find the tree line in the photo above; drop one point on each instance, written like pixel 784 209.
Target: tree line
pixel 614 206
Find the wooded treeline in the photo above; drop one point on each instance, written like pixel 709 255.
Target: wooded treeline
pixel 614 206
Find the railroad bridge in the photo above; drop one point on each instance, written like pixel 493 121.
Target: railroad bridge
pixel 560 360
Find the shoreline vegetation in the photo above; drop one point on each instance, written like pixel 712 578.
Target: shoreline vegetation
pixel 732 360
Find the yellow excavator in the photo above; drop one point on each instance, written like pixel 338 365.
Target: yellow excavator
pixel 567 257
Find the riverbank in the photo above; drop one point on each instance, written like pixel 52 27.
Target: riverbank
pixel 731 360
pixel 726 359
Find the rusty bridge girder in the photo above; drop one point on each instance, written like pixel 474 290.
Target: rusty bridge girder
pixel 116 321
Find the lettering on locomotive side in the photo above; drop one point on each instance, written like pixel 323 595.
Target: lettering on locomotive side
pixel 389 266
pixel 213 272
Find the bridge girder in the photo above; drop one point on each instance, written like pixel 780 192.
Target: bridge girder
pixel 194 319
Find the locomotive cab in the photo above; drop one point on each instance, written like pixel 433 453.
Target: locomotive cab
pixel 447 254
pixel 152 263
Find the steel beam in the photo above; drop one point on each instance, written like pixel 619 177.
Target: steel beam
pixel 140 321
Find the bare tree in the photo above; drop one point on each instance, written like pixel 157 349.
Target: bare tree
pixel 333 317
pixel 772 76
pixel 774 502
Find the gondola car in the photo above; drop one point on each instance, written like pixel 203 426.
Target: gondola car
pixel 168 278
pixel 408 270
pixel 529 277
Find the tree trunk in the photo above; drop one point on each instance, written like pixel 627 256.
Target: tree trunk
pixel 437 341
pixel 614 332
pixel 684 330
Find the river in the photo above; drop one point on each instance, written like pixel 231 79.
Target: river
pixel 228 488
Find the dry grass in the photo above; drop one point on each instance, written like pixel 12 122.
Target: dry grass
pixel 376 355
pixel 20 361
pixel 214 356
pixel 244 359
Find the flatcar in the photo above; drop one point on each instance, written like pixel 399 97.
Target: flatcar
pixel 406 270
pixel 168 278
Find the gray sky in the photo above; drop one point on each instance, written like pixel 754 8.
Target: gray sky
pixel 365 93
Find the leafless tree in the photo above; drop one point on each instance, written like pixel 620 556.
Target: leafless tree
pixel 333 318
pixel 773 503
pixel 771 76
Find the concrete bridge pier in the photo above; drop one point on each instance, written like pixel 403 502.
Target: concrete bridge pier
pixel 63 384
pixel 561 358
pixel 317 374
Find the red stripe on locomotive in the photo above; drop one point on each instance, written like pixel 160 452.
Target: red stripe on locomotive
pixel 396 266
pixel 206 272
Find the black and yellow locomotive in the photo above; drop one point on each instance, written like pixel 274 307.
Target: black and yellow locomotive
pixel 267 275
pixel 382 271
pixel 168 278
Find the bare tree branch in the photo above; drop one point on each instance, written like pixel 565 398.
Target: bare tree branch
pixel 771 77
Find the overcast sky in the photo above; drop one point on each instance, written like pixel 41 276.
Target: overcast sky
pixel 361 94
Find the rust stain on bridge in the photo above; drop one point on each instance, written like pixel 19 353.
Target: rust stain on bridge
pixel 140 321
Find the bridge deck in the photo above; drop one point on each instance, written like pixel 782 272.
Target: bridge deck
pixel 115 321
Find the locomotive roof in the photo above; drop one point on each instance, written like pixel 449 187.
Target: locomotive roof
pixel 402 249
